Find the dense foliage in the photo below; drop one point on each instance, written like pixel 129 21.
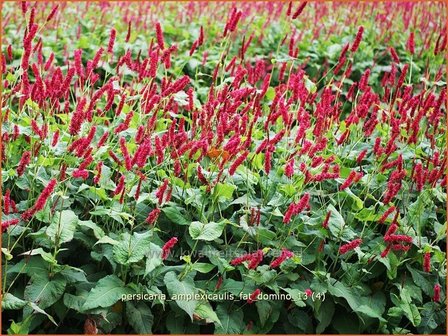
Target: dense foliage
pixel 284 162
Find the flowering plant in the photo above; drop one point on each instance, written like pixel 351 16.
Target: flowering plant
pixel 200 150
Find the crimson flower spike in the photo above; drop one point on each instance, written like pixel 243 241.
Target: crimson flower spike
pixel 357 39
pixel 112 36
pixel 159 36
pixel 299 10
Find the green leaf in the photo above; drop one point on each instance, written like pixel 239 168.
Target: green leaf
pixel 421 212
pixel 97 231
pixel 46 256
pixel 301 320
pixel 7 254
pixel 73 274
pixel 131 249
pixel 21 328
pixel 75 302
pixel 107 240
pixel 391 262
pixel 107 291
pixel 231 320
pixel 154 258
pixel 270 93
pixel 11 302
pixel 180 291
pixel 431 315
pixel 207 232
pixel 310 86
pixel 341 291
pixel 205 311
pixel 324 315
pixel 202 267
pixel 337 225
pixel 267 312
pixel 297 296
pixel 39 310
pixel 358 204
pixel 369 311
pixel 214 256
pixel 34 266
pixel 420 280
pixel 63 226
pixel 44 215
pixel 45 291
pixel 410 310
pixel 236 287
pixel 223 192
pixel 140 317
pixel 174 214
pixel 84 42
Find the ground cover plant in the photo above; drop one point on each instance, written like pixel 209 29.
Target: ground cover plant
pixel 193 167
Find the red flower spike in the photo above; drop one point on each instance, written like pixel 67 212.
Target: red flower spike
pixel 357 40
pixel 436 297
pixel 166 249
pixel 10 222
pixel 253 297
pixel 299 10
pixel 152 217
pixel 427 262
pixel 350 246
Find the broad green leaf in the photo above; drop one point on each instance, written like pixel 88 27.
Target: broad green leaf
pixel 215 258
pixel 324 315
pixel 340 290
pixel 39 310
pixel 270 93
pixel 180 291
pixel 420 280
pixel 34 266
pixel 223 192
pixel 107 291
pixel 107 240
pixel 267 312
pixel 131 249
pixel 75 302
pixel 205 311
pixel 62 227
pixel 301 320
pixel 297 296
pixel 231 320
pixel 410 310
pixel 207 232
pixel 140 317
pixel 337 225
pixel 97 231
pixel 358 204
pixel 236 287
pixel 73 274
pixel 202 267
pixel 21 328
pixel 154 258
pixel 421 212
pixel 45 291
pixel 174 214
pixel 369 311
pixel 46 256
pixel 11 302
